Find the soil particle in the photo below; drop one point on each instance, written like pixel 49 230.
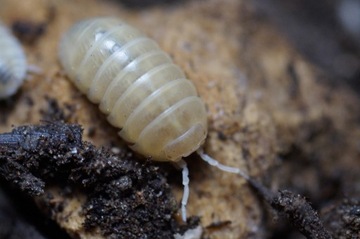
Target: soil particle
pixel 343 219
pixel 125 198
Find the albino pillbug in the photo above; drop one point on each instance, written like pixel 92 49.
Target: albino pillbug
pixel 12 63
pixel 137 86
pixel 140 89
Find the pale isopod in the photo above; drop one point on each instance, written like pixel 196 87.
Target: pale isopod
pixel 12 63
pixel 140 89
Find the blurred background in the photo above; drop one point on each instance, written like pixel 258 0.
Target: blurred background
pixel 326 32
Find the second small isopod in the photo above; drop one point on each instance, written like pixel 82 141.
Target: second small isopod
pixel 12 63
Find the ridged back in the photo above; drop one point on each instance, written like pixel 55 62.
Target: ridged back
pixel 12 63
pixel 137 85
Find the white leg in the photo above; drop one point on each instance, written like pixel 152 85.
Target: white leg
pixel 220 166
pixel 34 69
pixel 185 182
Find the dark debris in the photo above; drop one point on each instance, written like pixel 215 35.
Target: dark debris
pixel 296 209
pixel 8 105
pixel 343 219
pixel 12 226
pixel 21 219
pixel 126 198
pixel 27 31
pixel 55 112
pixel 301 214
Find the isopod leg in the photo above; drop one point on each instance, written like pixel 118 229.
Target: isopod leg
pixel 185 182
pixel 214 162
pixel 34 69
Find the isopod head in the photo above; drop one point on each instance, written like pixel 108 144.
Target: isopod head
pixel 12 63
pixel 137 86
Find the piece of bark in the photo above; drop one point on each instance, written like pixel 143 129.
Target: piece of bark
pixel 264 100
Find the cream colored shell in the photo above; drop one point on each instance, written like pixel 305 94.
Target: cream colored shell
pixel 12 63
pixel 137 85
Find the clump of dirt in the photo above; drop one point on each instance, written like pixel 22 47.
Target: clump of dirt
pixel 343 218
pixel 125 198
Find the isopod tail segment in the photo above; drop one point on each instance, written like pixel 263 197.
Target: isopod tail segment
pixel 213 162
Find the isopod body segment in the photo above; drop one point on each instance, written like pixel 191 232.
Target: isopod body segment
pixel 138 87
pixel 13 65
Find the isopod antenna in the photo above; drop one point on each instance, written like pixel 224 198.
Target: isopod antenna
pixel 222 167
pixel 213 162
